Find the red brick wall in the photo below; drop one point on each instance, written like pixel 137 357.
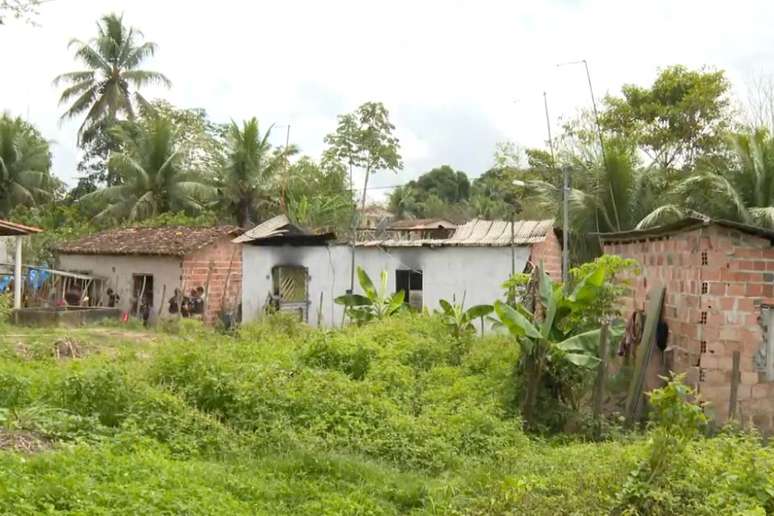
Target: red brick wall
pixel 223 262
pixel 737 278
pixel 549 252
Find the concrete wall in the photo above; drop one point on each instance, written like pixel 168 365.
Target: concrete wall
pixel 118 270
pixel 477 272
pixel 717 281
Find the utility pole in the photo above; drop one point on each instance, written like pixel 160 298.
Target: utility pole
pixel 548 126
pixel 565 226
pixel 599 136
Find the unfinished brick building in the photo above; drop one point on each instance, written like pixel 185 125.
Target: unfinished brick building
pixel 719 280
pixel 156 261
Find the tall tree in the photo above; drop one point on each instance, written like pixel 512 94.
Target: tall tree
pixel 25 161
pixel 365 139
pixel 103 90
pixel 739 189
pixel 681 116
pixel 318 195
pixel 441 192
pixel 154 178
pixel 251 172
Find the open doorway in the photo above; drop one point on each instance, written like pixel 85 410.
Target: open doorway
pixel 410 282
pixel 290 291
pixel 142 294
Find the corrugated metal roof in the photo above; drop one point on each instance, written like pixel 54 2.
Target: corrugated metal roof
pixel 274 227
pixel 409 224
pixel 479 233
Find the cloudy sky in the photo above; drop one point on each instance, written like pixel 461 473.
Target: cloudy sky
pixel 457 76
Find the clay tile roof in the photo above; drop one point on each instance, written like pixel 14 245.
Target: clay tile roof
pixel 161 241
pixel 8 228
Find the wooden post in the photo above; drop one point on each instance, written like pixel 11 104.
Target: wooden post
pixel 141 296
pixel 206 293
pixel 599 384
pixel 644 353
pixel 735 379
pixel 163 299
pixel 320 310
pixel 17 275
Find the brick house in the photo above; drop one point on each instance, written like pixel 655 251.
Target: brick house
pixel 719 280
pixel 153 262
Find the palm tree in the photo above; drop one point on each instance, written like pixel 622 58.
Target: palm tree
pixel 102 91
pixel 741 189
pixel 25 161
pixel 154 180
pixel 252 170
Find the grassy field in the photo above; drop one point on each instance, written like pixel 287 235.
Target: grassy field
pixel 395 417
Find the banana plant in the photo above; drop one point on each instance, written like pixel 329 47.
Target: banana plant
pixel 375 304
pixel 460 321
pixel 544 336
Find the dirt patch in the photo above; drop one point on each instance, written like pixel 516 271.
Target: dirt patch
pixel 23 441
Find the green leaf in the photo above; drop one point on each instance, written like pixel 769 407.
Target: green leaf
pixel 589 286
pixel 516 323
pixel 396 302
pixel 366 284
pixel 474 312
pixel 352 300
pixel 446 306
pixel 580 360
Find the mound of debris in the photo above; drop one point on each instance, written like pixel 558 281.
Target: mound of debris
pixel 22 441
pixel 67 348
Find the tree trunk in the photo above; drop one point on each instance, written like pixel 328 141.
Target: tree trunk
pixel 365 189
pixel 534 377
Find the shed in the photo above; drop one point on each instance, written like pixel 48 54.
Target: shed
pixel 719 280
pixel 152 262
pixel 306 272
pixel 17 232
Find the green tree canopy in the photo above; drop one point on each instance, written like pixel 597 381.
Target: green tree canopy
pixel 154 177
pixel 681 116
pixel 250 178
pixel 25 162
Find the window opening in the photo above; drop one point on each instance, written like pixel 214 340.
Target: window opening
pixel 704 258
pixel 410 282
pixel 703 346
pixel 704 287
pixel 290 289
pixel 703 318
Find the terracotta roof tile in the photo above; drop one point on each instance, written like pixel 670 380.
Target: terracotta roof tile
pixel 161 241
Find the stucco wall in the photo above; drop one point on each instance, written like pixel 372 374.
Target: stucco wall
pixel 119 270
pixel 476 272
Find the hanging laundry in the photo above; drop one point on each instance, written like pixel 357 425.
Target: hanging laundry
pixel 4 282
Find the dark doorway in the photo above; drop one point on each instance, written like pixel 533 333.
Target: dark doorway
pixel 410 282
pixel 142 293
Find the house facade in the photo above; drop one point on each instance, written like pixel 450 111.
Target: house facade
pixel 151 263
pixel 305 273
pixel 719 299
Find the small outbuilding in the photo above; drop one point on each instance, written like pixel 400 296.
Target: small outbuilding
pixel 11 230
pixel 148 264
pixel 719 303
pixel 291 269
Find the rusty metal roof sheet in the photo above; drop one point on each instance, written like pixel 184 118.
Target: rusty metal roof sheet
pixel 479 233
pixel 8 228
pixel 160 241
pixel 420 224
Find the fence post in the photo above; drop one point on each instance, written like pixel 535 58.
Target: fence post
pixel 735 378
pixel 599 384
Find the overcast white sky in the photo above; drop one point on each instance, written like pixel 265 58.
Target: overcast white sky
pixel 457 76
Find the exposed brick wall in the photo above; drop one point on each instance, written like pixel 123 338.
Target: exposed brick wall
pixel 222 261
pixel 549 252
pixel 716 281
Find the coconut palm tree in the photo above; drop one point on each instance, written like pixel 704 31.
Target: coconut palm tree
pixel 740 189
pixel 25 161
pixel 104 89
pixel 252 171
pixel 153 176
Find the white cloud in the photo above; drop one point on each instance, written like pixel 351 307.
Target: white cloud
pixel 448 71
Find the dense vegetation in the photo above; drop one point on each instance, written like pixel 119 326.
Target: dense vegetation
pixel 396 416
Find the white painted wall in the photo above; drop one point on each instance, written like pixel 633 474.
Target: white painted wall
pixel 6 252
pixel 166 270
pixel 477 272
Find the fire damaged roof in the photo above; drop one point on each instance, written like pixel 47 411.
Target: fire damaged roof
pixel 280 230
pixel 479 233
pixel 422 224
pixel 160 241
pixel 686 224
